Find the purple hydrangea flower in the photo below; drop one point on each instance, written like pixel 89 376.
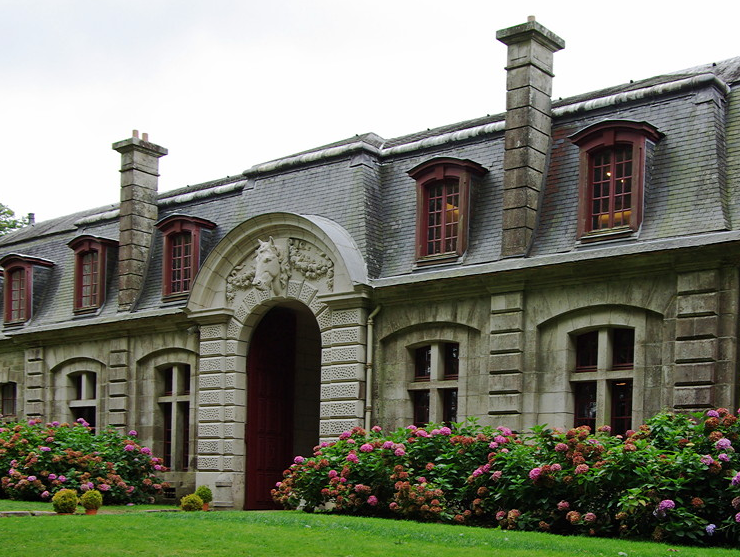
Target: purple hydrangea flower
pixel 299 460
pixel 146 450
pixel 711 528
pixel 45 495
pixel 666 504
pixel 31 478
pixel 352 457
pixel 723 443
pixel 129 448
pixel 133 433
pixel 445 431
pixel 44 449
pixel 372 500
pixel 706 459
pixel 712 414
pixel 399 452
pixel 724 457
pixel 366 448
pixel 55 424
pixel 534 473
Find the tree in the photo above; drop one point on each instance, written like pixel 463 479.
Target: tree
pixel 8 221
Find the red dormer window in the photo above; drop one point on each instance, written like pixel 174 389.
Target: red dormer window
pixel 90 272
pixel 443 207
pixel 18 276
pixel 182 236
pixel 612 177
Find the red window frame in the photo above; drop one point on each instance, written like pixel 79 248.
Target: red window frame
pixel 621 402
pixel 181 254
pixel 443 188
pixel 611 190
pixel 423 363
pixel 18 290
pixel 623 348
pixel 91 258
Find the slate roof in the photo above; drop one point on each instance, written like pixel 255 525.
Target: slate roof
pixel 361 183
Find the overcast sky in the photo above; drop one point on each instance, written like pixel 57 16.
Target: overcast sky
pixel 227 84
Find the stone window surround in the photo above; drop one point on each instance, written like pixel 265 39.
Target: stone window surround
pixel 597 138
pixel 432 172
pixel 179 399
pixel 82 246
pixel 12 263
pixel 8 399
pixel 171 227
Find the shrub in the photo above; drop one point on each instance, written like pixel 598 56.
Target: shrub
pixel 37 460
pixel 675 479
pixel 65 501
pixel 191 503
pixel 205 493
pixel 92 499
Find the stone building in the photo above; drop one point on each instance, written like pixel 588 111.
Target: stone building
pixel 565 262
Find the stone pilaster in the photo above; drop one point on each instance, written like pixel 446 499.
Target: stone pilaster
pixel 36 383
pixel 118 385
pixel 506 349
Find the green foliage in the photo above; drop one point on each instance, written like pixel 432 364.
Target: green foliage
pixel 191 503
pixel 8 222
pixel 205 493
pixel 65 501
pixel 92 499
pixel 675 479
pixel 37 460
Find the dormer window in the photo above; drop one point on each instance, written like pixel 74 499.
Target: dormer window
pixel 613 162
pixel 182 239
pixel 443 207
pixel 90 272
pixel 18 277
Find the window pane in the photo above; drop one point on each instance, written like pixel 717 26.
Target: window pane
pixel 421 408
pixel 585 410
pixel 587 351
pixel 449 406
pixel 452 360
pixel 623 348
pixel 423 366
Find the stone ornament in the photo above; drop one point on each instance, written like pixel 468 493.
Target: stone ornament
pixel 271 266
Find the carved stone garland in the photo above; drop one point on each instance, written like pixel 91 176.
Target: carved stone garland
pixel 299 258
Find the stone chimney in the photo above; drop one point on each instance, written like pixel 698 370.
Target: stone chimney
pixel 527 137
pixel 138 213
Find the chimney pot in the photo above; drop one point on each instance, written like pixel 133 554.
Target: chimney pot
pixel 135 133
pixel 145 136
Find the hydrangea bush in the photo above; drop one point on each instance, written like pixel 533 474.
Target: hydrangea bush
pixel 38 459
pixel 675 479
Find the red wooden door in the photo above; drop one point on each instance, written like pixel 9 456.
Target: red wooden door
pixel 270 371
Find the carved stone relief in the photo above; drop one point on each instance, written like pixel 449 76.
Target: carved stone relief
pixel 271 266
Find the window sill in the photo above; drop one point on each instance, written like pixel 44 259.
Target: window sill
pixel 604 235
pixel 441 259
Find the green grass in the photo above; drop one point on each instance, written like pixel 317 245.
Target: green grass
pixel 285 533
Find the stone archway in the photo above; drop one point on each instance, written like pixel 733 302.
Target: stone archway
pixel 283 378
pixel 305 264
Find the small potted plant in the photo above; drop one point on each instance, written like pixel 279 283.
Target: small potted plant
pixel 92 500
pixel 65 501
pixel 191 503
pixel 205 493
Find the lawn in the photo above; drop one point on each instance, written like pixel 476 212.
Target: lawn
pixel 129 531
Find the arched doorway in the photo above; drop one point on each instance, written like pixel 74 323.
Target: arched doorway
pixel 283 388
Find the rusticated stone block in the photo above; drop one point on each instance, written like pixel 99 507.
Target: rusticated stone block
pixel 693 397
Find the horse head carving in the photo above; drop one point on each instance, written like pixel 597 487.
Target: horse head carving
pixel 271 269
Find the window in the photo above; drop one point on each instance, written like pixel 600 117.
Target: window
pixel 83 401
pixel 7 399
pixel 433 390
pixel 18 271
pixel 182 240
pixel 443 205
pixel 602 379
pixel 174 407
pixel 614 157
pixel 90 272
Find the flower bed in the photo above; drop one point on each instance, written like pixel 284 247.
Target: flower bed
pixel 37 460
pixel 674 479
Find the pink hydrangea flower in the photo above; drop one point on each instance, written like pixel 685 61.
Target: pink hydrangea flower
pixel 493 445
pixel 504 430
pixel 556 467
pixel 445 431
pixel 45 449
pixel 31 478
pixel 581 469
pixel 399 452
pixel 534 473
pixel 45 495
pixel 706 459
pixel 589 517
pixel 561 447
pixel 723 443
pixel 712 414
pixel 299 460
pixel 421 433
pixel 724 457
pixel 351 441
pixel 62 479
pixel 500 515
pixel 376 429
pixel 133 433
pixel 563 506
pixel 496 476
pixel 666 504
pixel 352 457
pixel 55 424
pixel 104 487
pixel 344 435
pixel 129 448
pixel 372 500
pixel 388 445
pixel 146 450
pixel 500 439
pixel 324 444
pixel 366 448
